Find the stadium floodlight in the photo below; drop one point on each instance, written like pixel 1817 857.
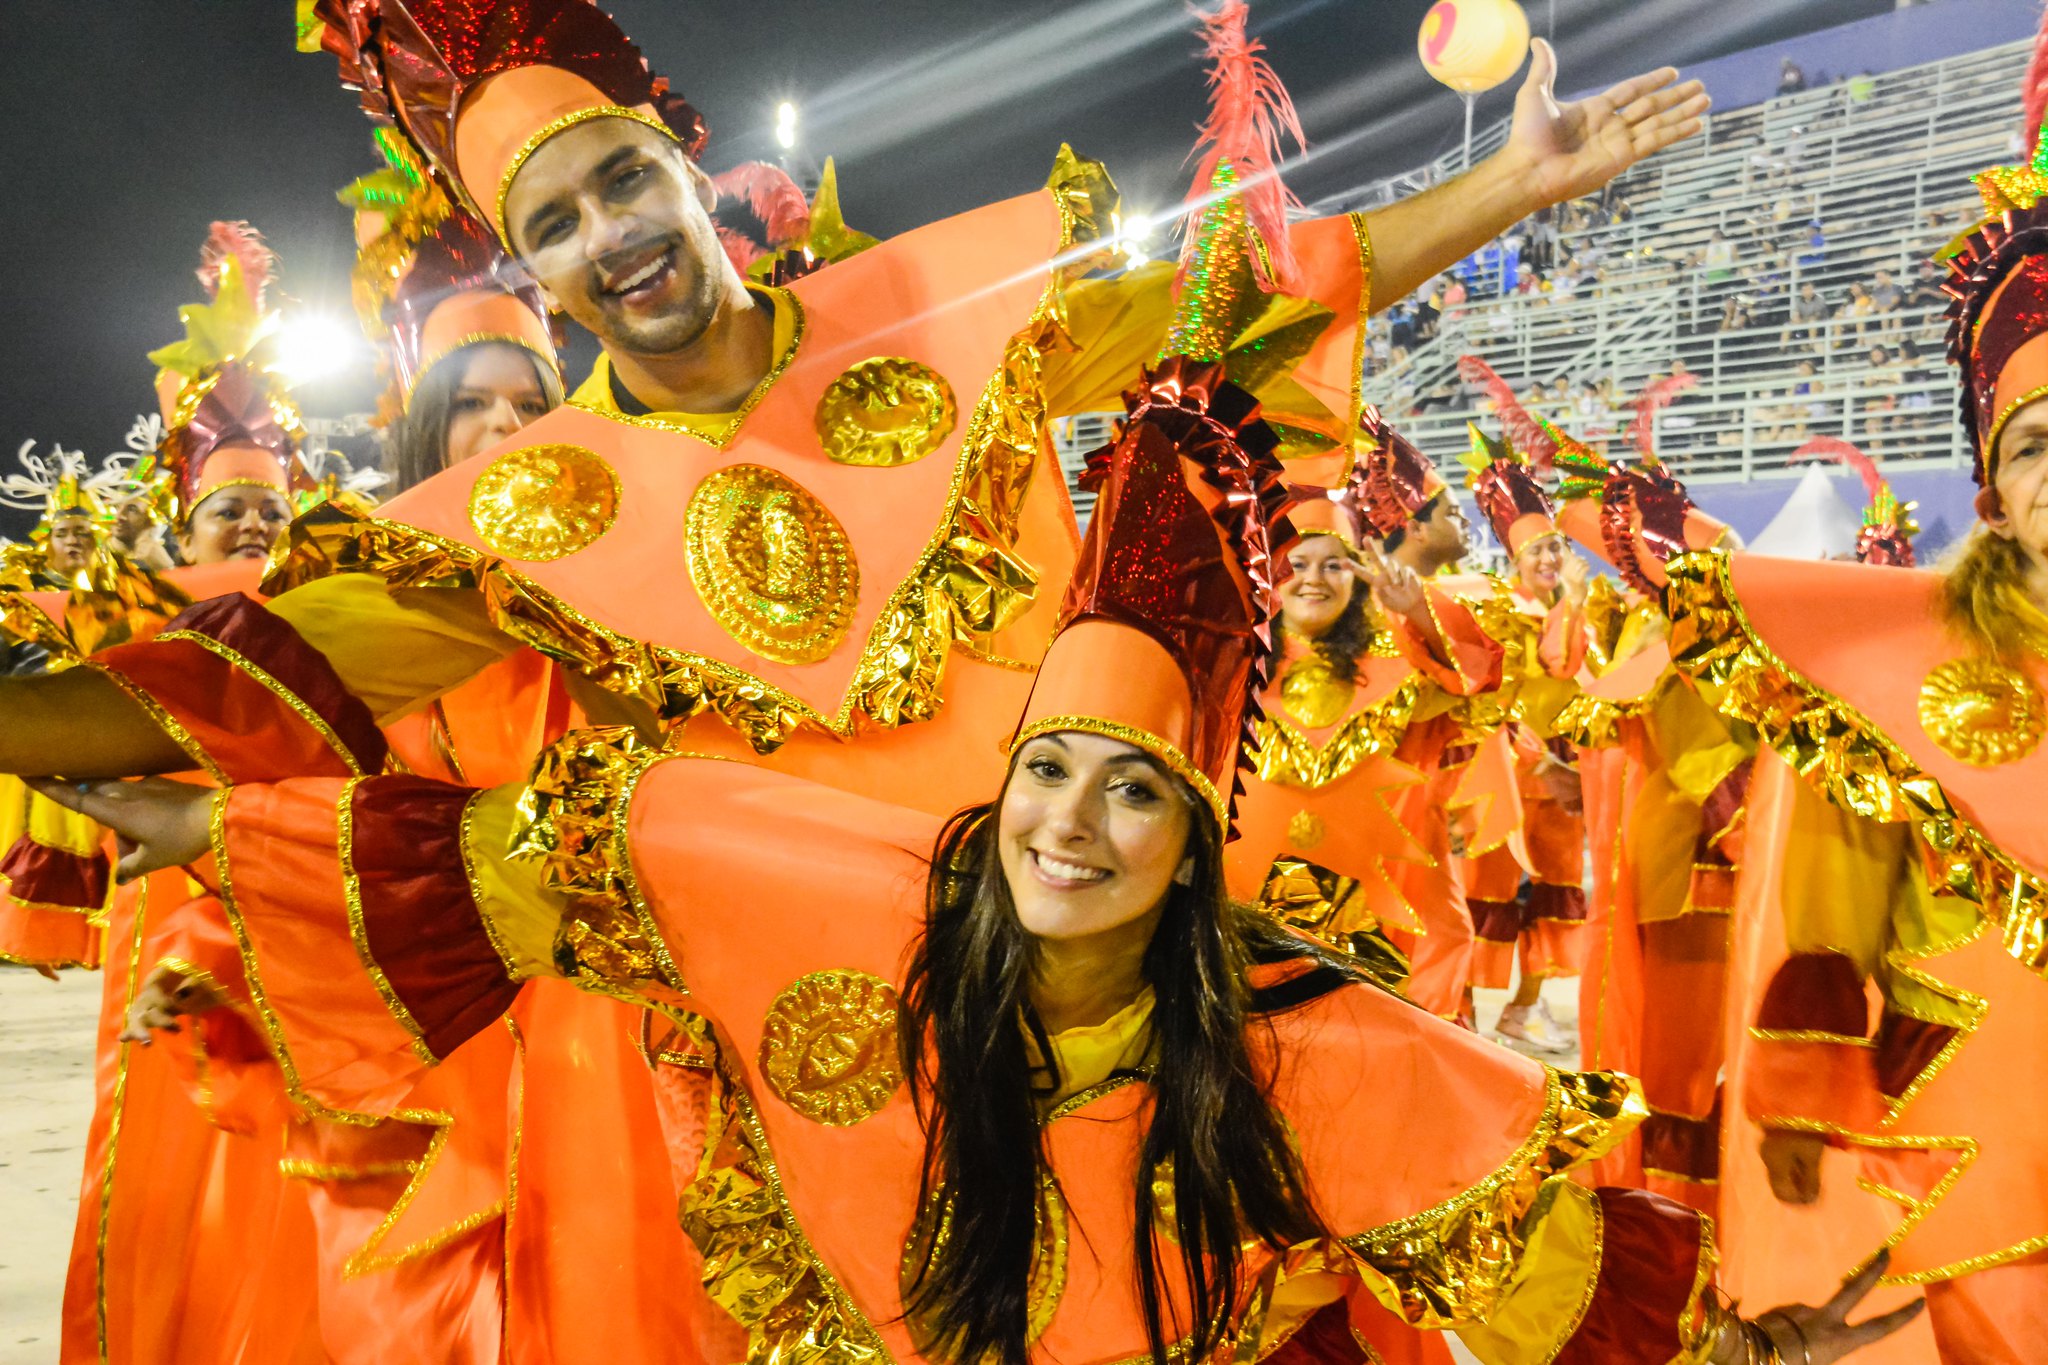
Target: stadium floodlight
pixel 785 125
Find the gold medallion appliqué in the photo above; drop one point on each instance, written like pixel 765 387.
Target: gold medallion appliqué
pixel 1981 711
pixel 1305 830
pixel 828 1048
pixel 544 502
pixel 884 412
pixel 771 564
pixel 1313 694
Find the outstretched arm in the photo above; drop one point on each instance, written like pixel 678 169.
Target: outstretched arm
pixel 1554 152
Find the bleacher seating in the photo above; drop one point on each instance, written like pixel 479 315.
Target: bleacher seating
pixel 1825 187
pixel 1881 164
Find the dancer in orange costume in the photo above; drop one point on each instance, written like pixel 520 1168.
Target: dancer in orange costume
pixel 1343 828
pixel 1907 707
pixel 181 1176
pixel 1542 613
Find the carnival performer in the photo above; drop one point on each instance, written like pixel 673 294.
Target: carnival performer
pixel 461 1227
pixel 68 496
pixel 1662 781
pixel 1894 844
pixel 1527 893
pixel 1344 827
pixel 539 121
pixel 1059 1023
pixel 189 1245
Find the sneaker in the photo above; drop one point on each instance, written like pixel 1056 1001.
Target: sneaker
pixel 1526 1025
pixel 1569 1033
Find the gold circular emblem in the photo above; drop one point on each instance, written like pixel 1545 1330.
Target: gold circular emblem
pixel 829 1046
pixel 771 564
pixel 1048 1276
pixel 1305 830
pixel 1312 692
pixel 886 411
pixel 544 502
pixel 1981 711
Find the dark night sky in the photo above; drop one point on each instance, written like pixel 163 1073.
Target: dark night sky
pixel 130 125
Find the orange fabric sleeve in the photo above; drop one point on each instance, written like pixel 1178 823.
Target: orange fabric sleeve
pixel 352 911
pixel 1462 658
pixel 1562 648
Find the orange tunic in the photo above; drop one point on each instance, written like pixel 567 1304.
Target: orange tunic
pixel 792 1245
pixel 1931 854
pixel 1350 780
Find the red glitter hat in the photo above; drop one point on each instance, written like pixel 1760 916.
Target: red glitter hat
pixel 1165 633
pixel 480 84
pixel 1509 497
pixel 1399 480
pixel 1886 536
pixel 1634 516
pixel 1998 285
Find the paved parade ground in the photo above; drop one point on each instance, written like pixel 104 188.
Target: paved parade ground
pixel 45 1103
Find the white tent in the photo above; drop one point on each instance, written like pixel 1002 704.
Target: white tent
pixel 1814 523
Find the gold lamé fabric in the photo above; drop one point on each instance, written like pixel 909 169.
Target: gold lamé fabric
pixel 1453 1263
pixel 544 502
pixel 1331 909
pixel 1284 754
pixel 885 412
pixel 1834 750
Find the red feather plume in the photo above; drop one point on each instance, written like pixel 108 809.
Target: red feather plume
pixel 1656 395
pixel 773 198
pixel 1522 430
pixel 2034 90
pixel 246 245
pixel 1249 112
pixel 1841 452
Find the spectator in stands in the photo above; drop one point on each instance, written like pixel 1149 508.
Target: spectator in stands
pixel 1926 292
pixel 1736 315
pixel 1884 290
pixel 1816 253
pixel 1855 316
pixel 1543 238
pixel 1717 258
pixel 1791 80
pixel 1863 85
pixel 1454 296
pixel 1881 383
pixel 1810 309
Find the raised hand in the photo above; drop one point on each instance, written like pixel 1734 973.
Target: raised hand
pixel 1396 587
pixel 158 823
pixel 1567 150
pixel 1825 1334
pixel 1576 576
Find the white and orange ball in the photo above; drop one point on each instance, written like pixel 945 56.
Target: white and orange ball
pixel 1473 45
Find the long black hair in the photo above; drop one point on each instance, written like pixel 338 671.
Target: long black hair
pixel 965 1016
pixel 416 441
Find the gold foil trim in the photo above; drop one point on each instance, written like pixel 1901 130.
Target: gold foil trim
pixel 548 130
pixel 1176 762
pixel 1331 909
pixel 758 1265
pixel 544 502
pixel 828 1046
pixel 1839 752
pixel 358 932
pixel 771 563
pixel 1047 1278
pixel 1285 755
pixel 1981 711
pixel 1454 1262
pixel 885 412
